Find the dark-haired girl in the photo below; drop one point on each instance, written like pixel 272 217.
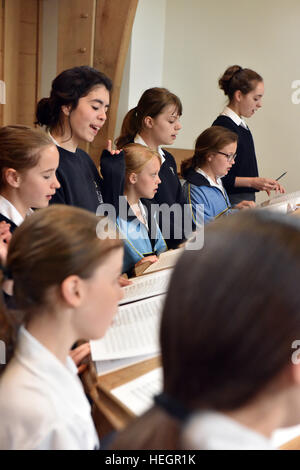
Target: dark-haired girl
pixel 76 110
pixel 229 378
pixel 154 122
pixel 244 89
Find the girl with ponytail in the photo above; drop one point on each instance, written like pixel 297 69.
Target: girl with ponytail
pixel 66 288
pixel 154 122
pixel 244 89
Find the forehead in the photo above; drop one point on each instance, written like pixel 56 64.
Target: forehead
pixel 48 156
pixel 258 89
pixel 231 147
pixel 170 110
pixel 98 93
pixel 153 165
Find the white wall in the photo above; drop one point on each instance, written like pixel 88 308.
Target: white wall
pixel 202 38
pixel 145 59
pixel 185 45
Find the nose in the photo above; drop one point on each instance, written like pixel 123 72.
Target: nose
pixel 178 126
pixel 56 183
pixel 102 114
pixel 158 180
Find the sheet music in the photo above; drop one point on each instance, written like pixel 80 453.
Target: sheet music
pixel 137 395
pixel 167 259
pixel 104 367
pixel 146 286
pixel 134 331
pixel 293 198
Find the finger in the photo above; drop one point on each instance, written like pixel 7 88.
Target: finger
pixel 78 354
pixel 81 368
pixel 109 145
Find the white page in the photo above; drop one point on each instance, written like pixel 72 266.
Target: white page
pixel 104 367
pixel 137 395
pixel 134 331
pixel 293 198
pixel 167 259
pixel 146 286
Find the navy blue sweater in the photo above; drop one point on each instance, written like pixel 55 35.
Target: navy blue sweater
pixel 81 184
pixel 245 162
pixel 169 191
pixel 12 227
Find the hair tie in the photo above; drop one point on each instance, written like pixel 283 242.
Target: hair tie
pixel 172 406
pixel 6 272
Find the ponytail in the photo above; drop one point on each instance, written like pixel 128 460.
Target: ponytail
pixel 129 129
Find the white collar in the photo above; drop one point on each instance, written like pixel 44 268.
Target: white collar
pixel 216 431
pixel 235 117
pixel 139 140
pixel 53 140
pixel 217 184
pixel 9 211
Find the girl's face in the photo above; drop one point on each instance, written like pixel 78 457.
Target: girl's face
pixel 146 182
pixel 89 116
pixel 220 164
pixel 38 184
pixel 101 294
pixel 252 101
pixel 165 127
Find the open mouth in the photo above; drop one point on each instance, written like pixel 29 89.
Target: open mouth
pixel 95 128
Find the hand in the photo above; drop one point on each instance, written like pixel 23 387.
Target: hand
pixel 5 237
pixel 245 205
pixel 151 258
pixel 123 281
pixel 267 184
pixel 110 149
pixel 80 356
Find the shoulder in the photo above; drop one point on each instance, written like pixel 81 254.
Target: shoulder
pixel 226 121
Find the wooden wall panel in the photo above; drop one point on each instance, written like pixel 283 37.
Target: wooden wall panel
pixel 12 11
pixel 76 25
pixel 114 20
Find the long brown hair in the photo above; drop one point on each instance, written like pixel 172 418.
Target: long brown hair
pixel 19 148
pixel 211 140
pixel 152 103
pixel 228 323
pixel 236 78
pixel 49 246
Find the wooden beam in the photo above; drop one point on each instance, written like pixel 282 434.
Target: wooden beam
pixel 76 26
pixel 114 21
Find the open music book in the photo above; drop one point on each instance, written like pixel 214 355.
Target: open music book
pixel 137 395
pixel 146 286
pixel 166 260
pixel 134 331
pixel 283 203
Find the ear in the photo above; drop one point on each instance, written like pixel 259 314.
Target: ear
pixel 237 95
pixel 72 291
pixel 66 109
pixel 12 177
pixel 133 177
pixel 148 122
pixel 209 157
pixel 295 373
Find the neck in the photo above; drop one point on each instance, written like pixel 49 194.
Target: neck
pixel 65 140
pixel 262 415
pixel 207 169
pixel 235 107
pixel 13 196
pixel 53 332
pixel 131 195
pixel 148 139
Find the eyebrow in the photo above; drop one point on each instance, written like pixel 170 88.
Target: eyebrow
pixel 100 102
pixel 50 169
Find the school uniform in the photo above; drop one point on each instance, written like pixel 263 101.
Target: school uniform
pixel 216 431
pixel 42 402
pixel 245 162
pixel 9 214
pixel 80 182
pixel 169 191
pixel 200 189
pixel 140 239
